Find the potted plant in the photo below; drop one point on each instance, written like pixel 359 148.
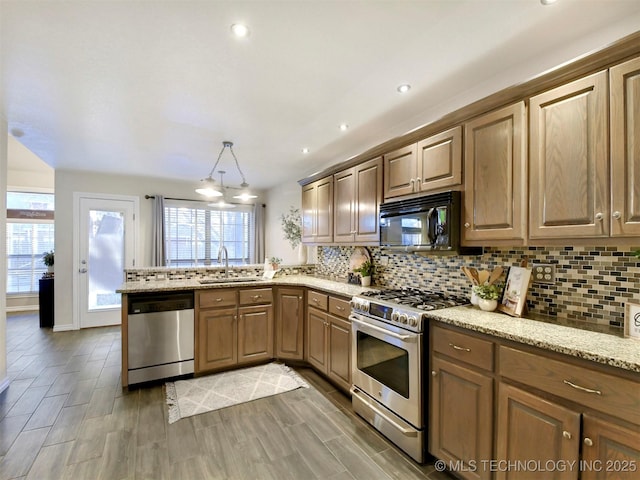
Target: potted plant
pixel 275 262
pixel 47 259
pixel 292 228
pixel 488 296
pixel 366 271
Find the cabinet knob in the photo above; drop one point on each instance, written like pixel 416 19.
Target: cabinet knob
pixel 617 215
pixel 434 373
pixel 218 299
pixel 467 225
pixel 599 216
pixel 588 442
pixel 566 435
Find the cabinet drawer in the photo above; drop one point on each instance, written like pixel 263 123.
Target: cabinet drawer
pixel 600 391
pixel 255 296
pixel 318 300
pixel 217 298
pixel 339 307
pixel 465 348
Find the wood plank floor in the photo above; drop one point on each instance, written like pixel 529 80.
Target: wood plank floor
pixel 65 416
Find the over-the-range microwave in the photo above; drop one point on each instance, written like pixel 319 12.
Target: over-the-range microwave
pixel 429 224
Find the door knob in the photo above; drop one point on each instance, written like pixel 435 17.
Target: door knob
pixel 83 270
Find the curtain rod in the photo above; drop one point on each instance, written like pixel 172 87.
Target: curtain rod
pixel 147 197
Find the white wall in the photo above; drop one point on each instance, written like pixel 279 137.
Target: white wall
pixel 66 183
pixel 4 380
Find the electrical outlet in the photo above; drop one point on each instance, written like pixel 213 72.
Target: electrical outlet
pixel 544 273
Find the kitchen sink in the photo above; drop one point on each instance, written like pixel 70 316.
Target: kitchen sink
pixel 229 280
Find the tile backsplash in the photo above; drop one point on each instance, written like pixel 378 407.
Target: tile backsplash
pixel 592 283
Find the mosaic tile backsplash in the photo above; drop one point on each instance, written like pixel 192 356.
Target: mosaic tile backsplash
pixel 592 283
pixel 150 274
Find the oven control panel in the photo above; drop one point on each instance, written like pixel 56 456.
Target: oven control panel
pixel 405 318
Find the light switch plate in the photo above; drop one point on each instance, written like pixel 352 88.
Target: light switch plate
pixel 544 273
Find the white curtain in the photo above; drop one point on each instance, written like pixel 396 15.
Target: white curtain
pixel 158 257
pixel 258 245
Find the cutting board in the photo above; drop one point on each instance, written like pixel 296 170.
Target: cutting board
pixel 358 257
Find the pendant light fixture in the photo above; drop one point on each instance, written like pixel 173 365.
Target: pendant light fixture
pixel 221 201
pixel 208 186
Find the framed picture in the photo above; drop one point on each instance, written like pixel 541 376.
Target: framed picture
pixel 632 320
pixel 515 291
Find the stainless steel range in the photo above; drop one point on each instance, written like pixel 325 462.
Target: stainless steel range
pixel 388 360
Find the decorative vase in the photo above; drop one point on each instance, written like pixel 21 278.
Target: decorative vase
pixel 474 297
pixel 302 254
pixel 487 305
pixel 49 268
pixel 365 281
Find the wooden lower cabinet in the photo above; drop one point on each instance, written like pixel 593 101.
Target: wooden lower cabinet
pixel 217 339
pixel 255 333
pixel 535 431
pixel 461 426
pixel 290 323
pixel 328 338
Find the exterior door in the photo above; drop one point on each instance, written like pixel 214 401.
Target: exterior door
pixel 106 234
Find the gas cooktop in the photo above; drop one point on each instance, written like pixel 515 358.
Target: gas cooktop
pixel 403 307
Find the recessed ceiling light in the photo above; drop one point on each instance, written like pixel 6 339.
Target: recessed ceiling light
pixel 305 150
pixel 404 88
pixel 547 2
pixel 344 127
pixel 240 30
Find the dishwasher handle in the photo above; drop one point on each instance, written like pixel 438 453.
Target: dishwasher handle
pixel 160 302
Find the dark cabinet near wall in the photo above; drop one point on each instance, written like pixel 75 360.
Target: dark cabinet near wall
pixel 46 302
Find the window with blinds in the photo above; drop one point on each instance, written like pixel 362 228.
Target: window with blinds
pixel 194 232
pixel 30 233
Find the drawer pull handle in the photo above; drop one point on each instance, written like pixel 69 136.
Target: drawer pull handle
pixel 583 389
pixel 456 347
pixel 256 297
pixel 338 307
pixel 315 300
pixel 566 435
pixel 588 442
pixel 218 299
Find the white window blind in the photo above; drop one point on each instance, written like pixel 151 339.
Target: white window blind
pixel 30 233
pixel 195 231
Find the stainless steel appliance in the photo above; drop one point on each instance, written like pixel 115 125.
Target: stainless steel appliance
pixel 388 358
pixel 160 335
pixel 429 224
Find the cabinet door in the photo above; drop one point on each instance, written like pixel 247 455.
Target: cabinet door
pixel 339 352
pixel 217 339
pixel 255 333
pixel 625 148
pixel 440 160
pixel 461 417
pixel 344 187
pixel 317 339
pixel 324 210
pixel 400 171
pixel 569 176
pixel 495 195
pixel 309 214
pixel 531 429
pixel 290 323
pixel 368 196
pixel 609 451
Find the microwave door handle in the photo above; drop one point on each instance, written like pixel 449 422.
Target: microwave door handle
pixel 404 338
pixel 432 230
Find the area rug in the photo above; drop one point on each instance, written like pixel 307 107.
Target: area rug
pixel 204 394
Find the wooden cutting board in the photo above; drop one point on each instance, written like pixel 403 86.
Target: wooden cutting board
pixel 358 257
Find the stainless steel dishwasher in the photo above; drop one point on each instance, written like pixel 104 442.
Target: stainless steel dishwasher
pixel 160 335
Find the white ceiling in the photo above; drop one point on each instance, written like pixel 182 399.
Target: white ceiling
pixel 153 88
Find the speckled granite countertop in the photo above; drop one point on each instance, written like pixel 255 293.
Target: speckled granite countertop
pixel 599 347
pixel 327 285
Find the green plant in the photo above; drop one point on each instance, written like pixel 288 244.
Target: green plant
pixel 366 269
pixel 275 260
pixel 47 258
pixel 637 253
pixel 292 226
pixel 488 292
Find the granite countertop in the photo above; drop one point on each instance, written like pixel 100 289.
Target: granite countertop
pixel 329 285
pixel 599 347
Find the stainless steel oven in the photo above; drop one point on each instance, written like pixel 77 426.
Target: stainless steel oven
pixel 389 361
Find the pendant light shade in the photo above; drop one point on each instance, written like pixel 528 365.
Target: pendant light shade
pixel 210 189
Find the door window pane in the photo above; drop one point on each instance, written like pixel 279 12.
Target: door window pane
pixel 106 258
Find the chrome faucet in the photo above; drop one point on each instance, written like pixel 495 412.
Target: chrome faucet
pixel 222 250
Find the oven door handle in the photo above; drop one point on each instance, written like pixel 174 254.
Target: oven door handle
pixel 405 431
pixel 404 338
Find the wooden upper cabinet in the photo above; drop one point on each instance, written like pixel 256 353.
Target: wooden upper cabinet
pixel 357 198
pixel 495 188
pixel 569 175
pixel 317 211
pixel 440 160
pixel 625 148
pixel 433 163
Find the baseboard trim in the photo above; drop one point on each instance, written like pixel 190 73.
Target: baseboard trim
pixel 4 384
pixel 32 308
pixel 63 328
